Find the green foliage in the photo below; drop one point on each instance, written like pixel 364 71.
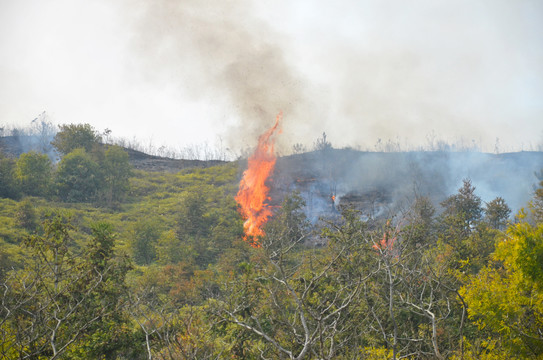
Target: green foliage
pixel 193 337
pixel 89 250
pixel 379 289
pixel 292 302
pixel 78 177
pixel 483 349
pixel 207 224
pixel 530 250
pixel 537 202
pixel 420 230
pixel 62 300
pixel 463 229
pixel 87 173
pixel 109 335
pixel 9 187
pixel 506 296
pixel 171 250
pixel 497 213
pixel 11 257
pixel 291 219
pixel 9 231
pixel 146 235
pixel 76 136
pixel 192 222
pixel 34 172
pixel 371 353
pixel 26 216
pixel 116 171
pixel 464 206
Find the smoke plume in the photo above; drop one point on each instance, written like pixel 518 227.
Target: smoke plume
pixel 361 71
pixel 219 51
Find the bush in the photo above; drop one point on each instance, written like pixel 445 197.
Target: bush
pixel 78 177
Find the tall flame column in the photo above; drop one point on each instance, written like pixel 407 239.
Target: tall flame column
pixel 253 191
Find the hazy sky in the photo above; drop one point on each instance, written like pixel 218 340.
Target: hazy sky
pixel 184 72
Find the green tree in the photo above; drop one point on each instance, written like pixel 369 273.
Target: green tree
pixel 43 303
pixel 76 136
pixel 146 235
pixel 109 336
pixel 462 233
pixel 192 220
pixel 26 216
pixel 34 172
pixel 506 297
pixel 194 226
pixel 295 303
pixel 537 203
pixel 116 171
pixel 497 213
pixel 290 224
pixel 420 227
pixel 78 177
pixel 464 206
pixel 171 250
pixel 64 304
pixel 9 187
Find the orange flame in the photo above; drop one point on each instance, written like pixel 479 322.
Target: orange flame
pixel 253 192
pixel 388 240
pixel 386 243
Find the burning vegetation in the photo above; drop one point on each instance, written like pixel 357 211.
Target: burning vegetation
pixel 253 192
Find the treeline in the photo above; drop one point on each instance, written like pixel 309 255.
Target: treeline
pixel 88 171
pixel 37 136
pixel 165 274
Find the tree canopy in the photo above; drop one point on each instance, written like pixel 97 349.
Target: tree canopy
pixel 74 136
pixel 100 261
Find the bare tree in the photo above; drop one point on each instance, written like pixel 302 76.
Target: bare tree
pixel 301 302
pixel 59 296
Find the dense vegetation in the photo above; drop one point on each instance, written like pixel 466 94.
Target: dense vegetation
pixel 98 261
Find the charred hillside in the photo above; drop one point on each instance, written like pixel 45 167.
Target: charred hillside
pixel 142 161
pixel 378 182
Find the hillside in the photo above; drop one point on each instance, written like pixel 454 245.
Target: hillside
pixel 390 180
pixel 14 146
pixel 359 256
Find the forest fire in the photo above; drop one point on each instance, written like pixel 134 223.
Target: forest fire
pixel 253 191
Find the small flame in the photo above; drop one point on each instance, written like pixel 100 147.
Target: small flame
pixel 389 238
pixel 253 191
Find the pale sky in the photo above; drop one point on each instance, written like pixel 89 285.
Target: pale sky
pixel 183 72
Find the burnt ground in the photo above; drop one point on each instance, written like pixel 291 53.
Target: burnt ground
pixel 142 161
pixel 381 184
